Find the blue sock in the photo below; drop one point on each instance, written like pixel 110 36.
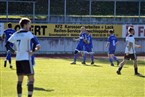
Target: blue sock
pixel 111 60
pixel 115 58
pixel 75 57
pixel 84 57
pixel 92 57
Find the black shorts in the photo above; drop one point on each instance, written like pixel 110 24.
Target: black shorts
pixel 24 68
pixel 130 56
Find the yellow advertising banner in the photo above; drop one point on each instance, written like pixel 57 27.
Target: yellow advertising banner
pixel 70 30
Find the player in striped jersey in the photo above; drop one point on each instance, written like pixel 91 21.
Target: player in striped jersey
pixel 24 67
pixel 130 52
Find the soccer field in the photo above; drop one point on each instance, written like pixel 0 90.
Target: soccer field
pixel 55 77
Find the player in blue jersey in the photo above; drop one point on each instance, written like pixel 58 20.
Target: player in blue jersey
pixel 6 35
pixel 88 46
pixel 80 46
pixel 111 45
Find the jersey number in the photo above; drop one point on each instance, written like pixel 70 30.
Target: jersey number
pixel 114 43
pixel 18 41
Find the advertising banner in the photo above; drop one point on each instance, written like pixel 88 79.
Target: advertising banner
pixel 70 30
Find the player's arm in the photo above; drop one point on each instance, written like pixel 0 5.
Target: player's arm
pixel 107 44
pixel 9 47
pixel 88 40
pixel 36 46
pixel 76 39
pixel 138 46
pixel 10 40
pixel 117 43
pixel 130 45
pixel 3 36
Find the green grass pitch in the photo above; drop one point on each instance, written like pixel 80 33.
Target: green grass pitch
pixel 57 78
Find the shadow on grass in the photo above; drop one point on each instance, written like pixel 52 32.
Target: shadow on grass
pixel 123 66
pixel 42 89
pixel 140 75
pixel 13 69
pixel 93 65
pixel 104 60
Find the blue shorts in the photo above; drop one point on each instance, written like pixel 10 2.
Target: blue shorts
pixel 111 52
pixel 33 60
pixel 79 47
pixel 88 49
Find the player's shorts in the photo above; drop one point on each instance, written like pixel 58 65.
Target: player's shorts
pixel 79 48
pixel 88 49
pixel 24 68
pixel 111 52
pixel 130 56
pixel 33 60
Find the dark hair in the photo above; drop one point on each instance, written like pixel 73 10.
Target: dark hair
pixel 24 21
pixel 111 31
pixel 9 25
pixel 130 29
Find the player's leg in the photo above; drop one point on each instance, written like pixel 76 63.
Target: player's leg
pixel 19 69
pixel 134 58
pixel 19 85
pixel 92 58
pixel 9 59
pixel 84 58
pixel 121 66
pixel 126 57
pixel 5 62
pixel 85 55
pixel 77 50
pixel 135 67
pixel 30 85
pixel 116 59
pixel 91 55
pixel 75 56
pixel 28 70
pixel 110 59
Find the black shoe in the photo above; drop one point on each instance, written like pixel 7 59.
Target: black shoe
pixel 118 72
pixel 137 74
pixel 112 64
pixel 73 63
pixel 84 63
pixel 92 63
pixel 11 67
pixel 5 63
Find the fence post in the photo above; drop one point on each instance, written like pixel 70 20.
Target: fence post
pixel 90 9
pixel 48 17
pixel 139 5
pixel 7 9
pixel 65 11
pixel 33 11
pixel 115 11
